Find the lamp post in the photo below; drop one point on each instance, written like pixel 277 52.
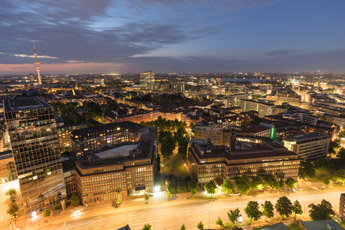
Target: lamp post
pixel 240 219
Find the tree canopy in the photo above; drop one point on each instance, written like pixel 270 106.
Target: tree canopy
pixel 267 209
pixel 211 187
pixel 252 211
pixel 243 184
pixel 322 211
pixel 233 215
pixel 227 187
pixel 297 208
pixel 284 206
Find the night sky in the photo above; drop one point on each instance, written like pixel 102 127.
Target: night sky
pixel 120 36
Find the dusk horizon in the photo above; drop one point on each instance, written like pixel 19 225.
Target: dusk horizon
pixel 172 36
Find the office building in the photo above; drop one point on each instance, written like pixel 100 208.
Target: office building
pixel 308 146
pixel 33 134
pixel 147 80
pixel 264 108
pixel 255 156
pixel 123 171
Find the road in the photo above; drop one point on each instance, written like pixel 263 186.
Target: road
pixel 170 215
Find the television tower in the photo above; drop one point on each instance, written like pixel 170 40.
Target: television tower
pixel 37 65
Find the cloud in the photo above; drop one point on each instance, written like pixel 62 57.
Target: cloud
pixel 93 31
pixel 74 61
pixel 32 56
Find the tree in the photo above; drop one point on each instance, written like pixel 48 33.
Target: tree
pixel 46 213
pixel 227 187
pixel 211 187
pixel 233 215
pixel 325 179
pixel 267 209
pixel 252 211
pixel 284 206
pixel 147 227
pixel 167 143
pixel 271 181
pixel 291 183
pixel 256 183
pixel 11 193
pixel 183 227
pixel 297 208
pixel 306 170
pixel 117 202
pixel 342 134
pixel 334 146
pixel 219 222
pixel 339 176
pixel 321 211
pixel 200 226
pixel 182 146
pixel 13 209
pixel 243 184
pixel 75 200
pixel 147 197
pixel 341 154
pixel 281 183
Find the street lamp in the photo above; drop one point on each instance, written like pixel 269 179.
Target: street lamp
pixel 157 188
pixel 240 219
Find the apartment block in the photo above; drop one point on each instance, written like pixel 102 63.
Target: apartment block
pixel 89 139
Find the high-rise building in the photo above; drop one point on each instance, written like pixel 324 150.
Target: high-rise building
pixel 147 80
pixel 33 134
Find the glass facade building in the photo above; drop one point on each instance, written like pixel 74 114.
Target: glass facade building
pixel 147 80
pixel 33 134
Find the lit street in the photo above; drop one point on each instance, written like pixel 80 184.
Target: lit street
pixel 169 214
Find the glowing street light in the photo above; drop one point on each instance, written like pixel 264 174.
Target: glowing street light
pixel 240 219
pixel 157 188
pixel 34 214
pixel 77 213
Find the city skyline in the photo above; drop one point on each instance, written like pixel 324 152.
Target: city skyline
pixel 172 36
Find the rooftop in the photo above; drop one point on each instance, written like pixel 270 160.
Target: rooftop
pixel 117 152
pixel 322 225
pixel 132 127
pixel 243 150
pixel 307 136
pixel 24 103
pixel 142 150
pixel 279 226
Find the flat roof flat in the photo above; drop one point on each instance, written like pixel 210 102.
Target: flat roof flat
pixel 24 103
pixel 306 136
pixel 116 152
